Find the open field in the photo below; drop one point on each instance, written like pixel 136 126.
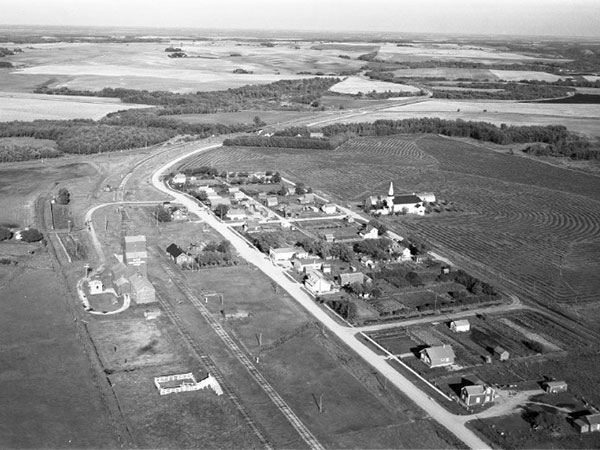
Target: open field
pixel 58 107
pixel 518 75
pixel 209 65
pixel 230 118
pixel 391 52
pixel 354 85
pixel 492 75
pixel 51 393
pixel 522 218
pixel 580 118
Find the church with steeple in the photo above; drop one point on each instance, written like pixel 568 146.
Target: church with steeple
pixel 398 204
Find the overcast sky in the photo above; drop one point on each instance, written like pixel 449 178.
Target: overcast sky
pixel 542 17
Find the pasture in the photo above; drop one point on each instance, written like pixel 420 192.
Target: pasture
pixel 355 85
pixel 533 225
pixel 209 65
pixel 28 107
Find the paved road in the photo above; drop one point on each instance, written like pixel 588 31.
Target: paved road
pixel 452 422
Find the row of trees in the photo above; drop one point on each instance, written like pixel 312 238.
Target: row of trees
pixel 572 149
pixel 279 142
pixel 504 91
pixel 473 285
pixel 482 131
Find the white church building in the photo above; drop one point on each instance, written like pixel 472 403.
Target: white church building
pixel 395 204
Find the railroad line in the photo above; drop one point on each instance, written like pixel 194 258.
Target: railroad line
pixel 213 369
pixel 277 400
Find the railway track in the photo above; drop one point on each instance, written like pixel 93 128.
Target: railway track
pixel 213 369
pixel 277 400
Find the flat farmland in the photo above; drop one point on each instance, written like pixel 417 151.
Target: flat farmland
pixel 57 107
pixel 354 85
pixel 451 73
pixel 531 224
pixel 580 118
pixel 230 118
pixel 209 65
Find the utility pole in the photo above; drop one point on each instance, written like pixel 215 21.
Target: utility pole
pixel 321 403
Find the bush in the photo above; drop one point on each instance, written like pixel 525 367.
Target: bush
pixel 63 197
pixel 31 235
pixel 5 234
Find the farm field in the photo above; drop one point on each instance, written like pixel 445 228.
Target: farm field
pixel 52 392
pixel 523 219
pixel 230 118
pixel 209 65
pixel 492 75
pixel 580 118
pixel 354 85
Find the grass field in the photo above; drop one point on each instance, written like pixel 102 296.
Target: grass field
pixel 51 394
pixel 522 218
pixel 230 118
pixel 354 85
pixel 57 107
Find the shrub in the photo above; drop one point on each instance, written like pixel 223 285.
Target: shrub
pixel 5 233
pixel 31 235
pixel 63 197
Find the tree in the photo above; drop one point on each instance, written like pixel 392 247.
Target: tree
pixel 161 214
pixel 5 233
pixel 276 177
pixel 31 235
pixel 282 191
pixel 381 228
pixel 221 210
pixel 258 122
pixel 224 246
pixel 63 197
pixel 342 251
pixel 300 189
pixel 202 196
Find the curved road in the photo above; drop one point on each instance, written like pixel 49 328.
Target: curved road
pixel 454 423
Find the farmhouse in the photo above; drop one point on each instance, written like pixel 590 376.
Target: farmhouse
pixel 306 265
pixel 403 252
pixel 477 395
pixel 438 356
pixel 588 423
pixel 271 201
pixel 329 237
pixel 179 178
pixel 317 284
pixel 142 290
pixel 282 254
pixel 95 286
pixel 351 277
pixel 369 232
pixel 307 198
pixel 501 353
pixel 460 326
pixel 329 208
pixel 554 387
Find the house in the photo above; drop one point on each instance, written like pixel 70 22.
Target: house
pixel 178 255
pixel 306 265
pixel 216 200
pixel 232 190
pixel 316 134
pixel 251 226
pixel 438 356
pixel 290 191
pixel 95 286
pixel 209 191
pixel 142 290
pixel 501 353
pixel 329 237
pixel 367 262
pixel 179 215
pixel 326 268
pixel 307 198
pixel 134 252
pixel 419 258
pixel 554 387
pixel 236 214
pixel 262 196
pixel 317 284
pixel 271 201
pixel 329 208
pixel 301 253
pixel 428 197
pixel 460 326
pixel 588 424
pixel 403 252
pixel 351 277
pixel 369 232
pixel 179 178
pixel 238 195
pixel 282 254
pixel 477 394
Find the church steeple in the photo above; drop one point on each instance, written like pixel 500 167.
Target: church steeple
pixel 391 190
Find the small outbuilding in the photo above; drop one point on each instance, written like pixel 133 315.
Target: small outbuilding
pixel 501 353
pixel 460 326
pixel 554 387
pixel 588 424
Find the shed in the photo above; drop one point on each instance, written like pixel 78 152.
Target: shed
pixel 588 423
pixel 501 353
pixel 554 387
pixel 460 326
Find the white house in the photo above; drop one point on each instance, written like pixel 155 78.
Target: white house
pixel 439 356
pixel 329 208
pixel 96 287
pixel 369 232
pixel 179 178
pixel 306 265
pixel 236 214
pixel 317 284
pixel 460 326
pixel 282 254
